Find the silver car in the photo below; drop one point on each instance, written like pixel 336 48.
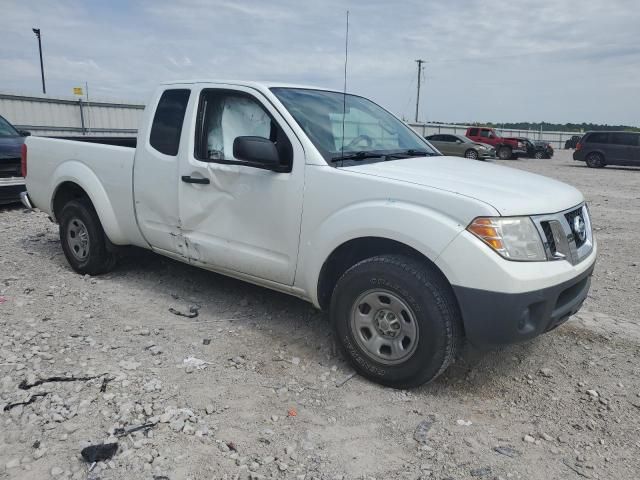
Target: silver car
pixel 461 146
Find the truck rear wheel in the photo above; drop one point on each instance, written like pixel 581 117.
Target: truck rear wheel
pixel 397 320
pixel 83 240
pixel 504 153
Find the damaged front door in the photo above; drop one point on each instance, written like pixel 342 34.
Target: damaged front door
pixel 235 216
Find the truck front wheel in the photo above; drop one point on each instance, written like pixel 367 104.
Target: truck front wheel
pixel 83 240
pixel 505 153
pixel 397 320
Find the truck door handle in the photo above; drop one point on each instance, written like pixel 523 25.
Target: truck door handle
pixel 188 179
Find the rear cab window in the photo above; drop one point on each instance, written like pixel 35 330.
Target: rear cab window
pixel 473 132
pixel 167 121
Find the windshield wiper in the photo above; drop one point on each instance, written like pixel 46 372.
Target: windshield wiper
pixel 410 153
pixel 362 155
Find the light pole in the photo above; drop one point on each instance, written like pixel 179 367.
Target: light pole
pixel 37 32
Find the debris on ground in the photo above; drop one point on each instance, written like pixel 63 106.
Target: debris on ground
pixel 421 431
pixel 193 311
pixel 30 400
pixel 193 362
pixel 507 451
pixel 24 385
pixel 100 452
pixel 121 431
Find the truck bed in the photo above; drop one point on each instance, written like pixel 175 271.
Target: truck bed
pixel 103 169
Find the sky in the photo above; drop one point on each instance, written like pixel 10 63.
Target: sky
pixel 500 61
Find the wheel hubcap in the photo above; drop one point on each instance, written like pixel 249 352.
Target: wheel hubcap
pixel 384 326
pixel 78 239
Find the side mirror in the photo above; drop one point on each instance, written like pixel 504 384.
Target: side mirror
pixel 458 141
pixel 24 133
pixel 257 150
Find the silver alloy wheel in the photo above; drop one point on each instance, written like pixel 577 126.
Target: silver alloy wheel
pixel 78 239
pixel 471 154
pixel 384 326
pixel 538 155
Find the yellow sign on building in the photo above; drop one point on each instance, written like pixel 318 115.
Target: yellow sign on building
pixel 77 91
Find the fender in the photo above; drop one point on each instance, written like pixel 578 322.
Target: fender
pixel 78 173
pixel 423 229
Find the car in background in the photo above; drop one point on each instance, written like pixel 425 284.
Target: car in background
pixel 11 177
pixel 598 149
pixel 536 148
pixel 460 146
pixel 572 142
pixel 506 147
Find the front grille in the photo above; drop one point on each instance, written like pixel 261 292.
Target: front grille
pixel 571 216
pixel 546 228
pixel 10 167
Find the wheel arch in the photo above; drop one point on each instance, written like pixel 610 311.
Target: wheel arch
pixel 78 181
pixel 355 250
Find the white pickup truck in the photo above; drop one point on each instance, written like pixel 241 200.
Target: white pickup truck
pixel 328 197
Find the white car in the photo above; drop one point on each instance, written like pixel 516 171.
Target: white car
pixel 328 197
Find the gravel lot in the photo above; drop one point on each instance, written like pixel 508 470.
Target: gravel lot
pixel 274 398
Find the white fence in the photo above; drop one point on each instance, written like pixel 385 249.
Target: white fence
pixel 65 117
pixel 556 139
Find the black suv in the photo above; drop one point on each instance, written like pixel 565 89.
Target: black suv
pixel 572 142
pixel 598 149
pixel 537 148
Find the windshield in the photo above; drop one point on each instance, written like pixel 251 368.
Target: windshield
pixel 6 129
pixel 368 129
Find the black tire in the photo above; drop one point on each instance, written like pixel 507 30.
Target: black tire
pixel 505 153
pixel 471 153
pixel 96 256
pixel 595 160
pixel 538 155
pixel 430 303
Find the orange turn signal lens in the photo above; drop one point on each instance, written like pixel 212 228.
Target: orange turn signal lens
pixel 487 231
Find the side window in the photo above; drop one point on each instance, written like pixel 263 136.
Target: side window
pixel 167 122
pixel 225 115
pixel 435 138
pixel 485 133
pixel 629 139
pixel 598 137
pixel 473 132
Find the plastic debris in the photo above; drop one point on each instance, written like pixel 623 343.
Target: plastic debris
pixel 292 412
pixel 99 453
pixel 193 311
pixel 194 362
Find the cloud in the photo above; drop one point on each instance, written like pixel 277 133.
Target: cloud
pixel 487 59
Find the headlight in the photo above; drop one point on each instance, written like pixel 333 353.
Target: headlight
pixel 514 238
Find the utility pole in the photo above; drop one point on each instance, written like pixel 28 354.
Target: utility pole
pixel 419 62
pixel 37 32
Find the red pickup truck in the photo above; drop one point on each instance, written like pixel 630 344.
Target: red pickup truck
pixel 506 148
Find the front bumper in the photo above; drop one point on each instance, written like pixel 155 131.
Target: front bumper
pixel 10 189
pixel 497 318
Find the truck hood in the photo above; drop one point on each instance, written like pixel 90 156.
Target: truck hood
pixel 508 190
